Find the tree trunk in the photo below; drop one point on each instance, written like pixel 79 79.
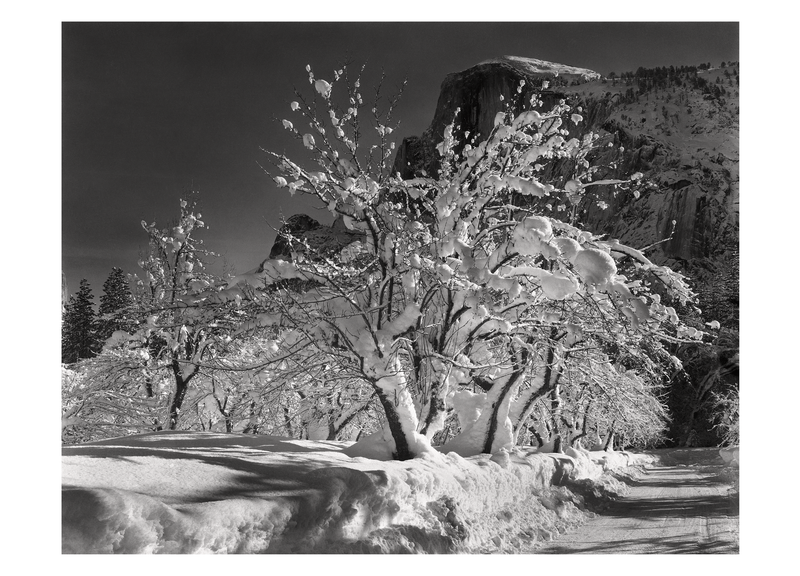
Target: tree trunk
pixel 222 406
pixel 550 376
pixel 527 407
pixel 181 386
pixel 555 414
pixel 287 421
pixel 182 381
pixel 402 450
pixel 494 422
pixel 252 426
pixel 610 440
pixel 583 431
pixel 539 439
pixel 435 412
pixel 398 406
pixel 337 425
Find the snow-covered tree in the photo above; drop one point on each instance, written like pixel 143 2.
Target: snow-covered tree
pixel 79 326
pixel 461 296
pixel 111 394
pixel 726 416
pixel 709 371
pixel 144 377
pixel 178 322
pixel 304 395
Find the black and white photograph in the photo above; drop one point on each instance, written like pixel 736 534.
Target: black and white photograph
pixel 400 287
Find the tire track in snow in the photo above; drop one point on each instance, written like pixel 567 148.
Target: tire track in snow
pixel 680 508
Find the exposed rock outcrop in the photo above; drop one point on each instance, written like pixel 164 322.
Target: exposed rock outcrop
pixel 479 93
pixel 320 238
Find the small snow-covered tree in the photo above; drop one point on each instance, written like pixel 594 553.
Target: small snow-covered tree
pixel 143 378
pixel 179 320
pixel 106 396
pixel 726 416
pixel 461 296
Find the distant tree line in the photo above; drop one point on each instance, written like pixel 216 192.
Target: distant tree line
pixel 84 331
pixel 645 80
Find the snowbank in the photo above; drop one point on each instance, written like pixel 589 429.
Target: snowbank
pixel 180 492
pixel 730 455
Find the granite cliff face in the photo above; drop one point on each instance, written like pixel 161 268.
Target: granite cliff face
pixel 478 94
pixel 683 139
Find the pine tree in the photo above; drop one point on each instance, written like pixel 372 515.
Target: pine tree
pixel 79 326
pixel 115 306
pixel 719 299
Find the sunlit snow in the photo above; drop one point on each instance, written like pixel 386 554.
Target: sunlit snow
pixel 536 66
pixel 189 492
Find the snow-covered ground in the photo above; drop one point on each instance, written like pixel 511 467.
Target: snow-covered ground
pixel 181 492
pixel 535 66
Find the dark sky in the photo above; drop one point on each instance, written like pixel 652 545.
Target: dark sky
pixel 151 110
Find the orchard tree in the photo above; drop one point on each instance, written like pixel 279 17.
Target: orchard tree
pixel 181 331
pixel 186 362
pixel 79 326
pixel 709 372
pixel 461 297
pixel 180 324
pixel 302 395
pixel 726 416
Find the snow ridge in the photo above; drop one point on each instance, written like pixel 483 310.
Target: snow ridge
pixel 537 67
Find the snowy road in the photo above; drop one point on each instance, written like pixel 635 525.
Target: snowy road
pixel 680 507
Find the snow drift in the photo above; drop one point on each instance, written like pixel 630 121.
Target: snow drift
pixel 181 492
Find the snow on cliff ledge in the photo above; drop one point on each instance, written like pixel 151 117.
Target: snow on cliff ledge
pixel 534 66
